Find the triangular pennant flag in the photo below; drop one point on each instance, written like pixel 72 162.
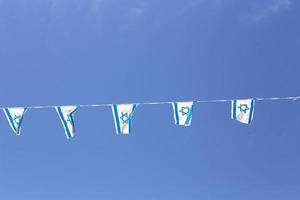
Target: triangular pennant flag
pixel 242 110
pixel 15 118
pixel 123 117
pixel 183 112
pixel 66 114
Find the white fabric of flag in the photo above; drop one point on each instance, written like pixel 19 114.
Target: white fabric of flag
pixel 183 112
pixel 66 115
pixel 123 117
pixel 242 110
pixel 15 118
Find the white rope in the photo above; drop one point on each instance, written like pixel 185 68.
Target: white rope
pixel 293 98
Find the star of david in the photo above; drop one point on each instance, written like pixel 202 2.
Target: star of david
pixel 17 119
pixel 184 110
pixel 69 119
pixel 124 117
pixel 243 108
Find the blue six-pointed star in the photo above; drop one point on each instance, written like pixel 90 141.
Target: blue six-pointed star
pixel 69 119
pixel 184 110
pixel 17 119
pixel 124 117
pixel 243 108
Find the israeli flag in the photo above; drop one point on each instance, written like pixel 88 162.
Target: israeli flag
pixel 242 110
pixel 183 112
pixel 123 117
pixel 66 114
pixel 15 118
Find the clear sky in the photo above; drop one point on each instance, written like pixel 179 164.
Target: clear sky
pixel 56 52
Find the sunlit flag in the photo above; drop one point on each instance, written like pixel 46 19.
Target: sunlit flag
pixel 183 112
pixel 242 110
pixel 66 114
pixel 123 117
pixel 15 118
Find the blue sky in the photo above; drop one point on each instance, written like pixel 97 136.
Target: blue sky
pixel 57 52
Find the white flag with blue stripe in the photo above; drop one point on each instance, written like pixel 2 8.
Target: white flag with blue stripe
pixel 66 114
pixel 242 110
pixel 183 112
pixel 15 118
pixel 123 117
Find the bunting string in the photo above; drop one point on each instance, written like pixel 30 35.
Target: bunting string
pixel 242 110
pixel 293 98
